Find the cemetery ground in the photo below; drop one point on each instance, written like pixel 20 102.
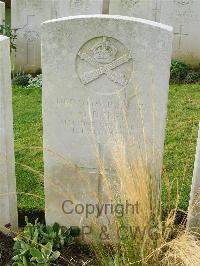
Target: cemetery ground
pixel 181 134
pixel 180 143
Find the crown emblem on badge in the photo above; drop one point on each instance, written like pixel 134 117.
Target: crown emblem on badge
pixel 104 52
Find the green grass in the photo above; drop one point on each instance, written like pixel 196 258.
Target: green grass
pixel 181 137
pixel 8 16
pixel 182 126
pixel 28 146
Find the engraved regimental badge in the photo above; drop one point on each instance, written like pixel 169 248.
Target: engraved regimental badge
pixel 104 57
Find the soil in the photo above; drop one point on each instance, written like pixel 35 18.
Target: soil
pixel 6 246
pixel 32 216
pixel 77 255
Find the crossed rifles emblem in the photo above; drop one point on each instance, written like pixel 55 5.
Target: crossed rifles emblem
pixel 105 62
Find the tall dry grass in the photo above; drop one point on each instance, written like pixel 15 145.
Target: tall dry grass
pixel 146 238
pixel 143 238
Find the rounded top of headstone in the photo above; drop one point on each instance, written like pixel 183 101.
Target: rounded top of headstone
pixel 113 17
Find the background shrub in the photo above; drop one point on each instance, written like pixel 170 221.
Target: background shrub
pixel 35 82
pixel 183 73
pixel 192 76
pixel 21 79
pixel 27 80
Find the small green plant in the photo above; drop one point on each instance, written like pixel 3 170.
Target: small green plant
pixel 30 255
pixel 21 79
pixel 27 80
pixel 35 82
pixel 38 244
pixel 192 77
pixel 7 31
pixel 183 73
pixel 179 71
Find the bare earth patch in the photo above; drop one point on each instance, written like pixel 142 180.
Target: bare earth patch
pixel 6 245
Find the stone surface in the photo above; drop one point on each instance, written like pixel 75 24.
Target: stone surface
pixel 147 9
pixel 96 77
pixel 183 15
pixel 193 222
pixel 8 204
pixel 27 16
pixel 64 8
pixel 2 12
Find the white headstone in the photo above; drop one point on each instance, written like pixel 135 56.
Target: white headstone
pixel 147 9
pixel 96 70
pixel 2 13
pixel 193 222
pixel 27 16
pixel 183 15
pixel 64 8
pixel 8 204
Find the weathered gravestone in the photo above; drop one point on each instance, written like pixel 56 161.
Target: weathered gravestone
pixel 27 16
pixel 193 222
pixel 183 15
pixel 98 73
pixel 64 8
pixel 8 205
pixel 2 13
pixel 147 9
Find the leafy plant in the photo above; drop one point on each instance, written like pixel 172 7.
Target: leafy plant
pixel 35 82
pixel 27 80
pixel 183 73
pixel 192 76
pixel 30 255
pixel 38 244
pixel 44 256
pixel 179 71
pixel 7 31
pixel 21 79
